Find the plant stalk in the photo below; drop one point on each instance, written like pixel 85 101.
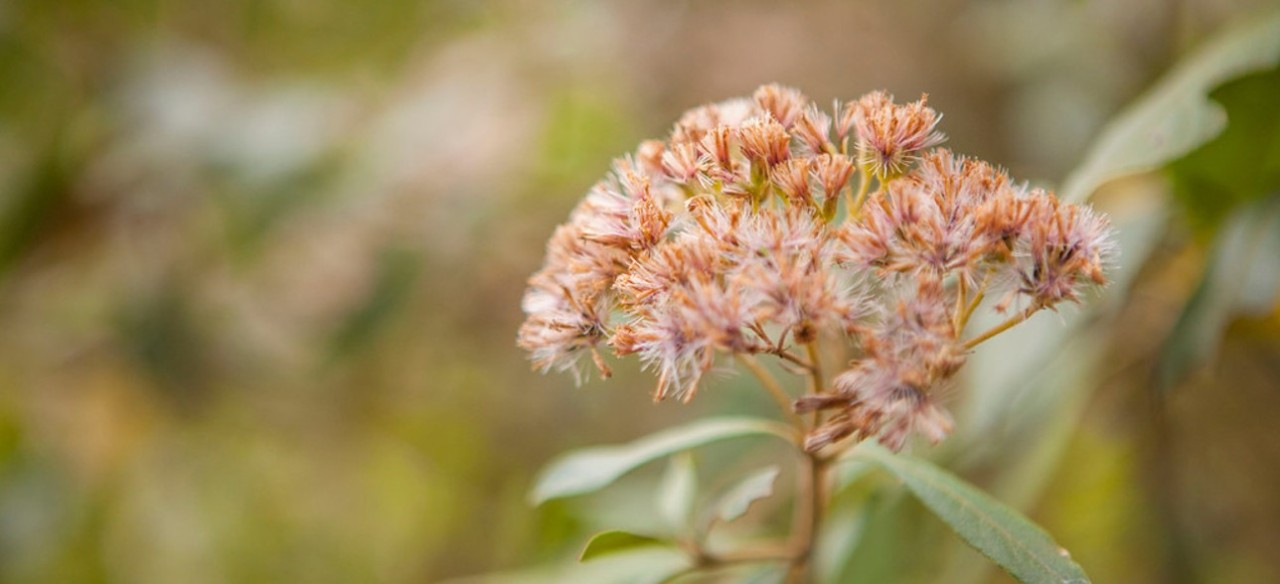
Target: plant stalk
pixel 810 505
pixel 773 388
pixel 1004 326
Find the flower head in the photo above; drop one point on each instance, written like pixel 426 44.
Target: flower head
pixel 724 239
pixel 890 134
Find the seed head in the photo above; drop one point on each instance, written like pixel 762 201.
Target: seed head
pixel 765 142
pixel 724 239
pixel 783 104
pixel 890 134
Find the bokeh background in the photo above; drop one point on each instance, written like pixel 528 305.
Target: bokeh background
pixel 261 262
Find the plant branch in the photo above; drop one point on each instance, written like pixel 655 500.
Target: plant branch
pixel 855 200
pixel 792 357
pixel 810 504
pixel 1004 326
pixel 973 304
pixel 773 388
pixel 962 291
pixel 816 384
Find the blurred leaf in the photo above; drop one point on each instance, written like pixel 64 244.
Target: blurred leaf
pixel 1242 275
pixel 738 500
pixel 587 470
pixel 161 331
pixel 1007 537
pixel 398 271
pixel 999 384
pixel 842 531
pixel 585 128
pixel 847 516
pixel 765 575
pixel 1175 116
pixel 254 210
pixel 679 487
pixel 612 542
pixel 849 471
pixel 887 518
pixel 1243 163
pixel 38 203
pixel 642 565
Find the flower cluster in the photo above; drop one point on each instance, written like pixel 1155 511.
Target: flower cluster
pixel 727 239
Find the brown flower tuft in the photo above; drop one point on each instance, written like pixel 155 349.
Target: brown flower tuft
pixel 726 239
pixel 890 134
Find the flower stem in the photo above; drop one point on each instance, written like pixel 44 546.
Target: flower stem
pixel 810 504
pixel 773 388
pixel 962 302
pixel 815 366
pixel 811 491
pixel 855 200
pixel 1004 326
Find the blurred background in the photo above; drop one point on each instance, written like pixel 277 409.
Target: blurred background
pixel 261 262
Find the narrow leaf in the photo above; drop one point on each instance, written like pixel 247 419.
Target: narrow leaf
pixel 1176 115
pixel 611 542
pixel 679 485
pixel 1011 540
pixel 736 501
pixel 587 470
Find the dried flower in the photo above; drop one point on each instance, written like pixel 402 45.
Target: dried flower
pixel 1063 249
pixel 889 134
pixel 813 128
pixel 723 240
pixel 765 142
pixel 783 104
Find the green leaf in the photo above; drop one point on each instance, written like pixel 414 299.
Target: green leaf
pixel 1243 163
pixel 1175 116
pixel 612 542
pixel 591 469
pixel 1019 546
pixel 737 500
pixel 642 565
pixel 679 486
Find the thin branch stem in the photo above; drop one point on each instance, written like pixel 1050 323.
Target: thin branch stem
pixel 973 304
pixel 792 357
pixel 968 311
pixel 816 383
pixel 961 303
pixel 1004 326
pixel 811 491
pixel 810 501
pixel 855 200
pixel 773 388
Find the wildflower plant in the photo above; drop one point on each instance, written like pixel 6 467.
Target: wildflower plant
pixel 846 246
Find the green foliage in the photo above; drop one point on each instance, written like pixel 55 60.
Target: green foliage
pixel 1007 537
pixel 587 470
pixel 397 275
pixel 612 542
pixel 1243 163
pixel 679 489
pixel 1229 188
pixel 737 500
pixel 1176 115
